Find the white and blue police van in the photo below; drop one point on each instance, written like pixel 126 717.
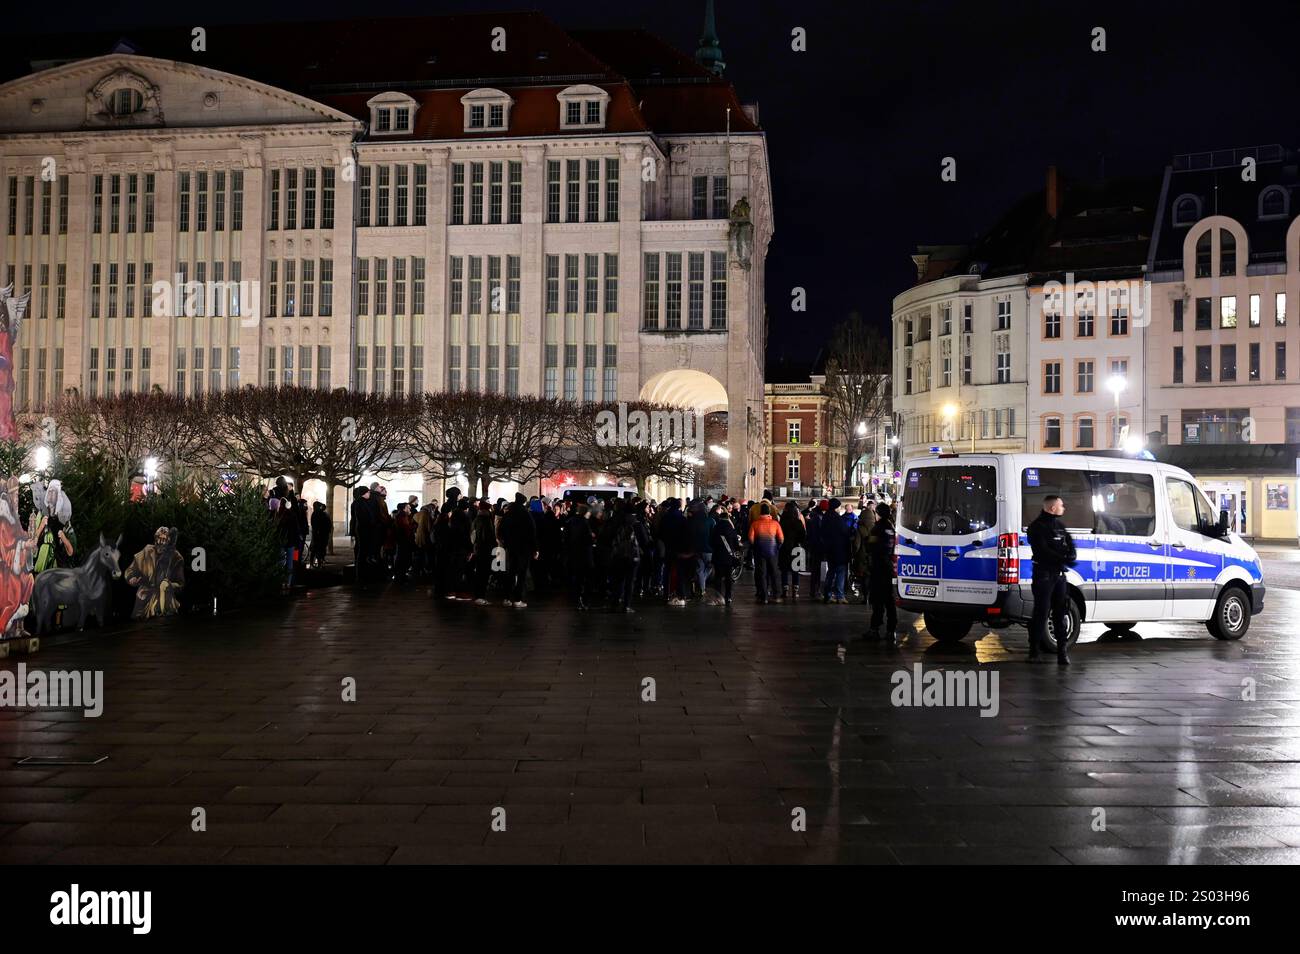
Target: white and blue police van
pixel 1150 545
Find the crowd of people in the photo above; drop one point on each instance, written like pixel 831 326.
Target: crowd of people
pixel 611 552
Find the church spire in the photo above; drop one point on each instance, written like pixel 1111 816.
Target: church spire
pixel 709 52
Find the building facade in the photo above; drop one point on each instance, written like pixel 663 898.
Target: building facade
pixel 802 453
pixel 1032 338
pixel 578 215
pixel 1225 276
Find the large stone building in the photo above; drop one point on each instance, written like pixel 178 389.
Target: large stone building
pixel 481 201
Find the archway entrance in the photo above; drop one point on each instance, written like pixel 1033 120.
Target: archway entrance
pixel 698 391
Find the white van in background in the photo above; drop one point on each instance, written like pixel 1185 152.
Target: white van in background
pixel 1150 545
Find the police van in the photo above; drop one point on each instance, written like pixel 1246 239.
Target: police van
pixel 1150 545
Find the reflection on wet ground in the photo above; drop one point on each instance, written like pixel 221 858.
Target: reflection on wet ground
pixel 754 734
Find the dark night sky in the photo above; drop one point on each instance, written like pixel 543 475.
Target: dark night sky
pixel 858 124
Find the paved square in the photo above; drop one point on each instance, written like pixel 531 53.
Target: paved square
pixel 758 711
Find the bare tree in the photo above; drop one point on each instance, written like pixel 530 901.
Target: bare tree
pixel 131 427
pixel 648 441
pixel 857 387
pixel 490 437
pixel 304 433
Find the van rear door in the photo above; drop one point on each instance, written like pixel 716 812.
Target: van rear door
pixel 947 537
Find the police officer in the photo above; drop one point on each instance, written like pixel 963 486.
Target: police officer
pixel 880 575
pixel 1053 550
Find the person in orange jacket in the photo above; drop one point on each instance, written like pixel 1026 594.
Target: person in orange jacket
pixel 765 538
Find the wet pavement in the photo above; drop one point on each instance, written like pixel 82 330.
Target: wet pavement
pixel 773 736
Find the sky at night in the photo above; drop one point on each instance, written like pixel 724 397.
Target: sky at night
pixel 858 125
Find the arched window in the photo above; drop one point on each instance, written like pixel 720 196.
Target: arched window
pixel 1227 253
pixel 1274 203
pixel 1203 255
pixel 1187 210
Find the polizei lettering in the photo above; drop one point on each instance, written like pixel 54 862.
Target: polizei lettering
pixel 918 569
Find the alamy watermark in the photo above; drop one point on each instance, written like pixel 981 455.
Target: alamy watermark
pixel 946 688
pixel 683 430
pixel 58 689
pixel 1126 299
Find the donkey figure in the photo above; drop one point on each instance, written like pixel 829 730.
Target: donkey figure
pixel 86 587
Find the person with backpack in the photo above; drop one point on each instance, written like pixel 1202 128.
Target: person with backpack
pixel 725 544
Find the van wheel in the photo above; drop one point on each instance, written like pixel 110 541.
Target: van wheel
pixel 1073 620
pixel 947 629
pixel 1231 616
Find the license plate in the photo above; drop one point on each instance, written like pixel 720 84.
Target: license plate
pixel 920 589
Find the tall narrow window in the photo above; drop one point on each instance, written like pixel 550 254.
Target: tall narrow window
pixel 383 176
pixel 695 313
pixel 401 213
pixel 458 193
pixel 699 197
pixel 236 200
pixel 515 215
pixel 553 190
pixel 273 216
pixel 326 287
pixel 718 291
pixel 291 199
pixel 308 198
pixel 572 188
pixel 593 190
pixel 611 190
pixel 611 283
pixel 363 196
pixel 476 193
pixel 421 210
pixel 494 193
pixel 673 296
pixel 218 203
pixel 327 198
pixel 650 283
pixel 201 202
pixel 720 210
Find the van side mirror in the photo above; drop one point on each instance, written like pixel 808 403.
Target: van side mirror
pixel 1221 528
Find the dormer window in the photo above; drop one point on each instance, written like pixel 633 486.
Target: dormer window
pixel 583 107
pixel 487 110
pixel 392 114
pixel 1187 210
pixel 1274 203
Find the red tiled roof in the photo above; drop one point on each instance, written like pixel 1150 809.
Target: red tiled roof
pixel 436 60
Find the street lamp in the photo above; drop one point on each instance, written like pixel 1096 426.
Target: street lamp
pixel 41 458
pixel 1116 383
pixel 950 414
pixel 150 472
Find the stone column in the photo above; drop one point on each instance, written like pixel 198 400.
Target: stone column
pixel 532 264
pixel 252 252
pixel 630 199
pixel 436 276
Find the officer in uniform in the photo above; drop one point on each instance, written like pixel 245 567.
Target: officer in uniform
pixel 880 575
pixel 1053 550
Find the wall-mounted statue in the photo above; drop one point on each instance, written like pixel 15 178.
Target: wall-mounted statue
pixel 741 233
pixel 84 589
pixel 158 572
